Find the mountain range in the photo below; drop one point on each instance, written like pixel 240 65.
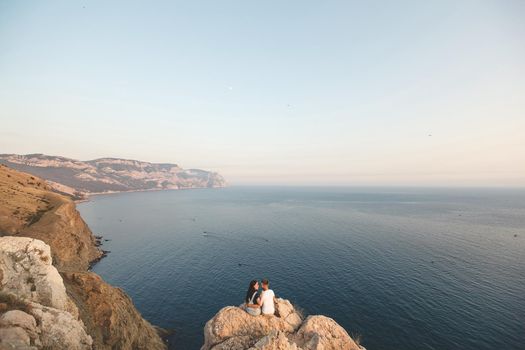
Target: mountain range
pixel 104 175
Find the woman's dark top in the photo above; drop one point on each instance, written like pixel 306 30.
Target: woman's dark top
pixel 253 298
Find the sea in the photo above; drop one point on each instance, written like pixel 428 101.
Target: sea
pixel 400 268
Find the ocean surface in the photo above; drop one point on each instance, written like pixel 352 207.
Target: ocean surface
pixel 403 268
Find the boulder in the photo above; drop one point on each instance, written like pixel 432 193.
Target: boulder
pixel 40 314
pixel 14 338
pixel 233 328
pixel 323 333
pixel 284 309
pixel 241 330
pixel 59 330
pixel 17 318
pixel 26 271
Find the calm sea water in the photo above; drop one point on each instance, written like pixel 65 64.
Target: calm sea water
pixel 403 268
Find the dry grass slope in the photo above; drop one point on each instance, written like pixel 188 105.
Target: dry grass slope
pixel 23 200
pixel 29 208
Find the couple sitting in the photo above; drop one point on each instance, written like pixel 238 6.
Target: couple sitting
pixel 256 303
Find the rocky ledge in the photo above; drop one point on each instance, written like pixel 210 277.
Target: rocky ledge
pixel 234 329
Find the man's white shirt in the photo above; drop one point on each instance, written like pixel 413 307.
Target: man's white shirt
pixel 268 307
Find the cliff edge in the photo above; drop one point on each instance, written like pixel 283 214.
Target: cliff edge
pixel 45 253
pixel 232 328
pixel 29 208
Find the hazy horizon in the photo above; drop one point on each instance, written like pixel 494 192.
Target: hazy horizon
pixel 334 93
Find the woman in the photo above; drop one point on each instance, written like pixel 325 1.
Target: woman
pixel 252 300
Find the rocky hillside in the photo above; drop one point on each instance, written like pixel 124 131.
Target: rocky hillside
pixel 48 299
pixel 109 174
pixel 29 208
pixel 233 328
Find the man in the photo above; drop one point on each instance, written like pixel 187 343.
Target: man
pixel 267 299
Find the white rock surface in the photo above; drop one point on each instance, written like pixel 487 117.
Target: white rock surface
pixel 17 318
pixel 26 272
pixel 48 319
pixel 14 338
pixel 59 329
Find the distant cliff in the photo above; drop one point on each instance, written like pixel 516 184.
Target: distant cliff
pixel 48 298
pixel 77 177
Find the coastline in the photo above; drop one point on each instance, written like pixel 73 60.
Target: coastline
pixel 92 194
pixel 163 333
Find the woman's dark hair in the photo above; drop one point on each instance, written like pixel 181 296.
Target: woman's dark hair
pixel 251 290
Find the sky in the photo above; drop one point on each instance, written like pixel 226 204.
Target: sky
pixel 401 93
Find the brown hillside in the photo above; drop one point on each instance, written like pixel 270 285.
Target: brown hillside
pixel 29 208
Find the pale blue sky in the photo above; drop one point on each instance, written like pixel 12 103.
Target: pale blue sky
pixel 288 92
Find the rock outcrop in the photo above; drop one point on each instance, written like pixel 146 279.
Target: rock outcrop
pixel 232 328
pixel 27 272
pixel 44 277
pixel 321 332
pixel 42 327
pixel 39 312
